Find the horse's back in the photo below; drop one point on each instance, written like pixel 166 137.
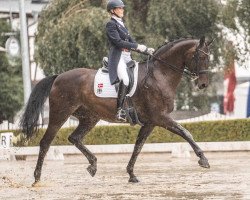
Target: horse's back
pixel 75 75
pixel 73 83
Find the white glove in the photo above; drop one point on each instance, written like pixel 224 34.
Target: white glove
pixel 151 51
pixel 141 48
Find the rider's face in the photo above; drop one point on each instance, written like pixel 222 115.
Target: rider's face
pixel 119 11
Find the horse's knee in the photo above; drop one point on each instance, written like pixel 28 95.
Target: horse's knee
pixel 184 132
pixel 72 139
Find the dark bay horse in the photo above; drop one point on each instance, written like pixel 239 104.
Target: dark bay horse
pixel 72 93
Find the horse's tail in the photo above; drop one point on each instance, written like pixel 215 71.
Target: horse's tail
pixel 38 96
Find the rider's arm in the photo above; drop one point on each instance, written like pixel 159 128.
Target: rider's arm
pixel 115 38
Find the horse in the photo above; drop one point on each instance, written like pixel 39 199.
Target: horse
pixel 72 93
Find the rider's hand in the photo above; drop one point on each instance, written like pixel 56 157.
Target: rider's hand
pixel 141 48
pixel 150 51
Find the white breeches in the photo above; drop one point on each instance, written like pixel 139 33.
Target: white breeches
pixel 122 67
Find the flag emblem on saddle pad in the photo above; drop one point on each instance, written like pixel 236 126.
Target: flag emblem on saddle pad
pixel 100 85
pixel 99 88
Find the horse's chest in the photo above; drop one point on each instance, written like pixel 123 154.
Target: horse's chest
pixel 162 102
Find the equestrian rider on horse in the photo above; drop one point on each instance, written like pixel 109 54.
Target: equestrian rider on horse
pixel 121 43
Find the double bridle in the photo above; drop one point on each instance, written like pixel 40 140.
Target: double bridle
pixel 196 58
pixel 186 72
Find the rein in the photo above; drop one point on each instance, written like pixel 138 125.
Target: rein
pixel 186 73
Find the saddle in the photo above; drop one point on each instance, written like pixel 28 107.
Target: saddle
pixel 131 113
pixel 130 70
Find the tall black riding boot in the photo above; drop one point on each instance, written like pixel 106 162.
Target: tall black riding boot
pixel 122 92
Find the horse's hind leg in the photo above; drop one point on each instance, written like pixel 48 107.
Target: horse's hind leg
pixel 85 125
pixel 56 120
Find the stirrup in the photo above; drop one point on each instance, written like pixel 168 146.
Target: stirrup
pixel 121 115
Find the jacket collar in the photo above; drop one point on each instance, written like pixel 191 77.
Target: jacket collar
pixel 118 19
pixel 119 25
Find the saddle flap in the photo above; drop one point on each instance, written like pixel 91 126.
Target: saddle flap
pixel 103 88
pixel 130 70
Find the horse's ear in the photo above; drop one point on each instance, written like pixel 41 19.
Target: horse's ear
pixel 202 41
pixel 210 42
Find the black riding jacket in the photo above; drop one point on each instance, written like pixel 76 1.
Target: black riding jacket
pixel 119 38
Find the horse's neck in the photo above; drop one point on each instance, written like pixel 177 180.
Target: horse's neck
pixel 159 79
pixel 166 75
pixel 171 75
pixel 167 79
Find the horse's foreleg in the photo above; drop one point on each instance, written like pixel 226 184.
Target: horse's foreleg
pixel 141 138
pixel 179 130
pixel 85 125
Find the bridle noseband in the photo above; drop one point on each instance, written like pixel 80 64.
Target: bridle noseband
pixel 196 58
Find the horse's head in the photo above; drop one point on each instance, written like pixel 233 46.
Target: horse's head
pixel 197 62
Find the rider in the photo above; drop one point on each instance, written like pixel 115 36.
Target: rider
pixel 120 45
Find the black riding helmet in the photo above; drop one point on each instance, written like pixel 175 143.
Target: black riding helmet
pixel 114 4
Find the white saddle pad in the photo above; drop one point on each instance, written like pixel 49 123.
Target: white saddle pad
pixel 103 88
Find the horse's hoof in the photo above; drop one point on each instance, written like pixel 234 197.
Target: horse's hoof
pixel 203 162
pixel 133 180
pixel 92 170
pixel 36 184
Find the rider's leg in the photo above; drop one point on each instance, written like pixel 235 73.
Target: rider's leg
pixel 123 88
pixel 122 91
pixel 122 69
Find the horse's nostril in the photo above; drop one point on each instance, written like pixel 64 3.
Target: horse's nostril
pixel 203 85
